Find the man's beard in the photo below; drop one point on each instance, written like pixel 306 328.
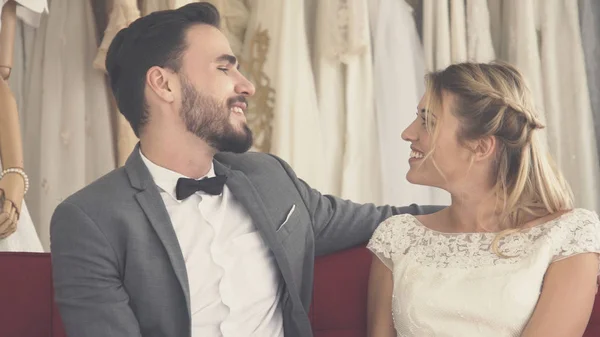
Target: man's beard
pixel 208 119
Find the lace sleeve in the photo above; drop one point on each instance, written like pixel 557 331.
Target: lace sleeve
pixel 388 233
pixel 579 233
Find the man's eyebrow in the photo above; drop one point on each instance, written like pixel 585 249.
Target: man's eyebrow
pixel 232 60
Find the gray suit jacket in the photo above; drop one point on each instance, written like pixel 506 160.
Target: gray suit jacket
pixel 118 269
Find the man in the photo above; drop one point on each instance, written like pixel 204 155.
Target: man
pixel 193 236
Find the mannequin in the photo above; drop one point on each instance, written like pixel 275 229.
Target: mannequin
pixel 13 183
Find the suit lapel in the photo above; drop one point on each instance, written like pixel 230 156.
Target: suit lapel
pixel 240 186
pixel 244 191
pixel 151 203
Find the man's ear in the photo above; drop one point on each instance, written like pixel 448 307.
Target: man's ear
pixel 160 81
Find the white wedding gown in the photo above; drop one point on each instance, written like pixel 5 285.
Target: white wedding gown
pixel 571 134
pixel 455 32
pixel 344 81
pixel 275 57
pixel 399 80
pixel 519 44
pixel 436 35
pixel 480 47
pixel 68 138
pixel 543 40
pixel 453 284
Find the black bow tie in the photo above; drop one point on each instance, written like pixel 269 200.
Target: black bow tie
pixel 186 187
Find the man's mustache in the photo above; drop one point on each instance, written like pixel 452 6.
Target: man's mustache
pixel 237 99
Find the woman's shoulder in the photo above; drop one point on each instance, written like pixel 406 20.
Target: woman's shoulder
pixel 391 236
pixel 574 232
pixel 394 227
pixel 574 219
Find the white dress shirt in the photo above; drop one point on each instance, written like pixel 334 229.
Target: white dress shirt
pixel 235 286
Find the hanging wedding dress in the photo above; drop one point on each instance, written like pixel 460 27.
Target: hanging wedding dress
pixel 123 13
pixel 173 4
pixel 234 20
pixel 542 39
pixel 284 111
pixel 589 14
pixel 344 79
pixel 29 13
pixel 496 29
pixel 149 6
pixel 436 35
pixel 68 139
pixel 444 33
pixel 329 82
pixel 28 21
pixel 519 45
pixel 458 31
pixel 399 71
pixel 480 47
pixel 571 133
pixel 518 24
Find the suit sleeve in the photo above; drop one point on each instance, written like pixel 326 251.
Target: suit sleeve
pixel 88 290
pixel 340 224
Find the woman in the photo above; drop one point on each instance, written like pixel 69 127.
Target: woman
pixel 510 256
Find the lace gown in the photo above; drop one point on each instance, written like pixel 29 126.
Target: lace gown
pixel 452 284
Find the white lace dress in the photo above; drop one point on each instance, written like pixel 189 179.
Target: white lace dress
pixel 454 285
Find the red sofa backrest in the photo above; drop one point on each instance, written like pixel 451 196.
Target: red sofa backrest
pixel 339 303
pixel 27 306
pixel 339 306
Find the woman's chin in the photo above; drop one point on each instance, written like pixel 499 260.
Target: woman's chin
pixel 410 177
pixel 416 178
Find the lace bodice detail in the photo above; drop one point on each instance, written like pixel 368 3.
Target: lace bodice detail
pixel 442 281
pixel 571 233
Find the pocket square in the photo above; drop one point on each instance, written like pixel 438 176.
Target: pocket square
pixel 287 217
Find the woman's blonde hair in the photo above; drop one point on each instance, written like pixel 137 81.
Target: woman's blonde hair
pixel 494 100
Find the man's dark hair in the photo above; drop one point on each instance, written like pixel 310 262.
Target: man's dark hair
pixel 158 39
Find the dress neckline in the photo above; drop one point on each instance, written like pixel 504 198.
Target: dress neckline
pixel 524 230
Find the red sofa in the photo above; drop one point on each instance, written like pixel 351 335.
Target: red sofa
pixel 338 310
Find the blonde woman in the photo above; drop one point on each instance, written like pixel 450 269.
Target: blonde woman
pixel 510 256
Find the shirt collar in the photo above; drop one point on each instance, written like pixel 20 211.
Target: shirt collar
pixel 166 179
